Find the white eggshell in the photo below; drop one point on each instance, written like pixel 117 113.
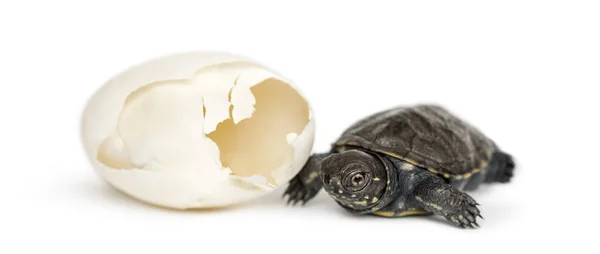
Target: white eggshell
pixel 197 129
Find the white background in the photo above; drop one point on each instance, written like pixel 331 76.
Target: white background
pixel 524 72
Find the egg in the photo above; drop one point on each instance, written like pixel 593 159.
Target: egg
pixel 197 130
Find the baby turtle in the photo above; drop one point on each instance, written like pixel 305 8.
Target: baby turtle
pixel 406 161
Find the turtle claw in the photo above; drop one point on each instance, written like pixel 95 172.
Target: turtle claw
pixel 295 201
pixel 465 215
pixel 298 192
pixel 307 183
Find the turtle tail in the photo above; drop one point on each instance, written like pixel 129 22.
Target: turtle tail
pixel 501 168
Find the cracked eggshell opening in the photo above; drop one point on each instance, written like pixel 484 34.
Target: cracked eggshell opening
pixel 196 130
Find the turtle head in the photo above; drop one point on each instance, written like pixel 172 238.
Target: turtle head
pixel 356 179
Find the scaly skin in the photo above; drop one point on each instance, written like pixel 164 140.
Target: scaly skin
pixel 445 200
pixel 307 183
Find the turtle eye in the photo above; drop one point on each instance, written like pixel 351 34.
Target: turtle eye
pixel 356 181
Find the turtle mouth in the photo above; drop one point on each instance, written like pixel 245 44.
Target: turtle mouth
pixel 352 201
pixel 334 185
pixel 336 190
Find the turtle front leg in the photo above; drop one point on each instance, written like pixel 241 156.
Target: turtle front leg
pixel 445 200
pixel 307 183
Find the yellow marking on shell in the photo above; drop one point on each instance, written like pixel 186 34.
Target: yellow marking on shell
pixel 375 199
pixel 388 182
pixel 366 197
pixel 352 143
pixel 401 205
pixel 364 202
pixel 376 179
pixel 340 191
pixel 384 213
pixel 395 155
pixel 400 214
pixel 407 167
pixel 466 175
pixel 353 195
pixel 458 177
pixel 312 176
pixel 433 171
pixel 419 199
pixel 483 164
pixel 412 212
pixel 410 161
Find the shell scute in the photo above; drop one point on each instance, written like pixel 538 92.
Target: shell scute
pixel 424 135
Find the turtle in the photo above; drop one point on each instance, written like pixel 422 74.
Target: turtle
pixel 418 159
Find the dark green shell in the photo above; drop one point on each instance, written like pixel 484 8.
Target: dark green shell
pixel 424 135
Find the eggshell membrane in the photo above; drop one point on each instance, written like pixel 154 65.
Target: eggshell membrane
pixel 182 97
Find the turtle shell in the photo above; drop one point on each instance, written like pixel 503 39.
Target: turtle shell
pixel 428 136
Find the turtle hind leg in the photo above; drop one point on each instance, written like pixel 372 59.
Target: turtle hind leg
pixel 501 168
pixel 307 183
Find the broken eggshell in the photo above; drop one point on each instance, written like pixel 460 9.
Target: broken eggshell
pixel 196 130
